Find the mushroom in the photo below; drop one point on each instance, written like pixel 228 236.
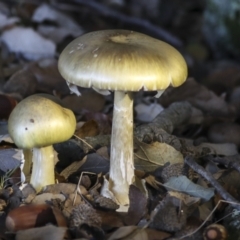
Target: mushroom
pixel 122 61
pixel 36 123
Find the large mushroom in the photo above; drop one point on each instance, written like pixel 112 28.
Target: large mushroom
pixel 37 123
pixel 122 61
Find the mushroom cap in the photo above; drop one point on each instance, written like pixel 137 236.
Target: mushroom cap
pixel 39 122
pixel 122 60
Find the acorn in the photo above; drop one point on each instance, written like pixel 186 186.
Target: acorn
pixel 215 232
pixel 31 216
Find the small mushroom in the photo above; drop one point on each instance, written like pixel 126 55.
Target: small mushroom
pixel 122 61
pixel 36 123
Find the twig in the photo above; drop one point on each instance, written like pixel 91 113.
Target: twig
pixel 228 161
pixel 82 140
pixel 206 175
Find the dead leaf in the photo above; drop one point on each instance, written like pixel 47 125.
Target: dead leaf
pixel 138 206
pixel 104 152
pixel 111 220
pixel 225 132
pixel 183 184
pixel 148 157
pixel 48 197
pixel 146 113
pixel 200 97
pixel 29 43
pixel 89 129
pixel 64 188
pixel 6 21
pixel 48 77
pixel 103 121
pixel 187 199
pixel 10 158
pixel 224 149
pixel 154 234
pixel 72 168
pixel 129 232
pixel 43 233
pixel 23 82
pixel 205 211
pixel 95 164
pixel 46 12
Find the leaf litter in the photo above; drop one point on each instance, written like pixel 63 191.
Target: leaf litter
pixel 176 194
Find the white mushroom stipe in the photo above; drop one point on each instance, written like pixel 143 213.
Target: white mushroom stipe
pixel 121 173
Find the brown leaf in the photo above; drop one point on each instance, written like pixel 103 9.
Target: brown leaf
pixel 44 233
pixel 138 206
pixel 148 157
pixel 89 129
pixel 64 188
pixel 95 164
pixel 103 121
pixel 226 132
pixel 129 232
pixel 23 82
pixel 49 78
pixel 111 220
pixel 72 168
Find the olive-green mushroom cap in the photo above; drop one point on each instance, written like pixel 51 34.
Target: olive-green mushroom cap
pixel 122 60
pixel 38 122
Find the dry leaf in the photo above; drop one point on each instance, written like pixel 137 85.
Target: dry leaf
pixel 48 77
pixel 183 184
pixel 129 232
pixel 199 96
pixel 95 164
pixel 23 82
pixel 187 199
pixel 10 158
pixel 89 129
pixel 43 233
pixel 48 197
pixel 225 132
pixel 29 43
pixel 224 149
pixel 138 206
pixel 146 113
pixel 72 168
pixel 148 157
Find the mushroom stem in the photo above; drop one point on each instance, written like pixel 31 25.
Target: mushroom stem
pixel 43 167
pixel 121 173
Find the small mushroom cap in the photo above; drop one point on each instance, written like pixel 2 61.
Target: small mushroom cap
pixel 38 122
pixel 122 60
